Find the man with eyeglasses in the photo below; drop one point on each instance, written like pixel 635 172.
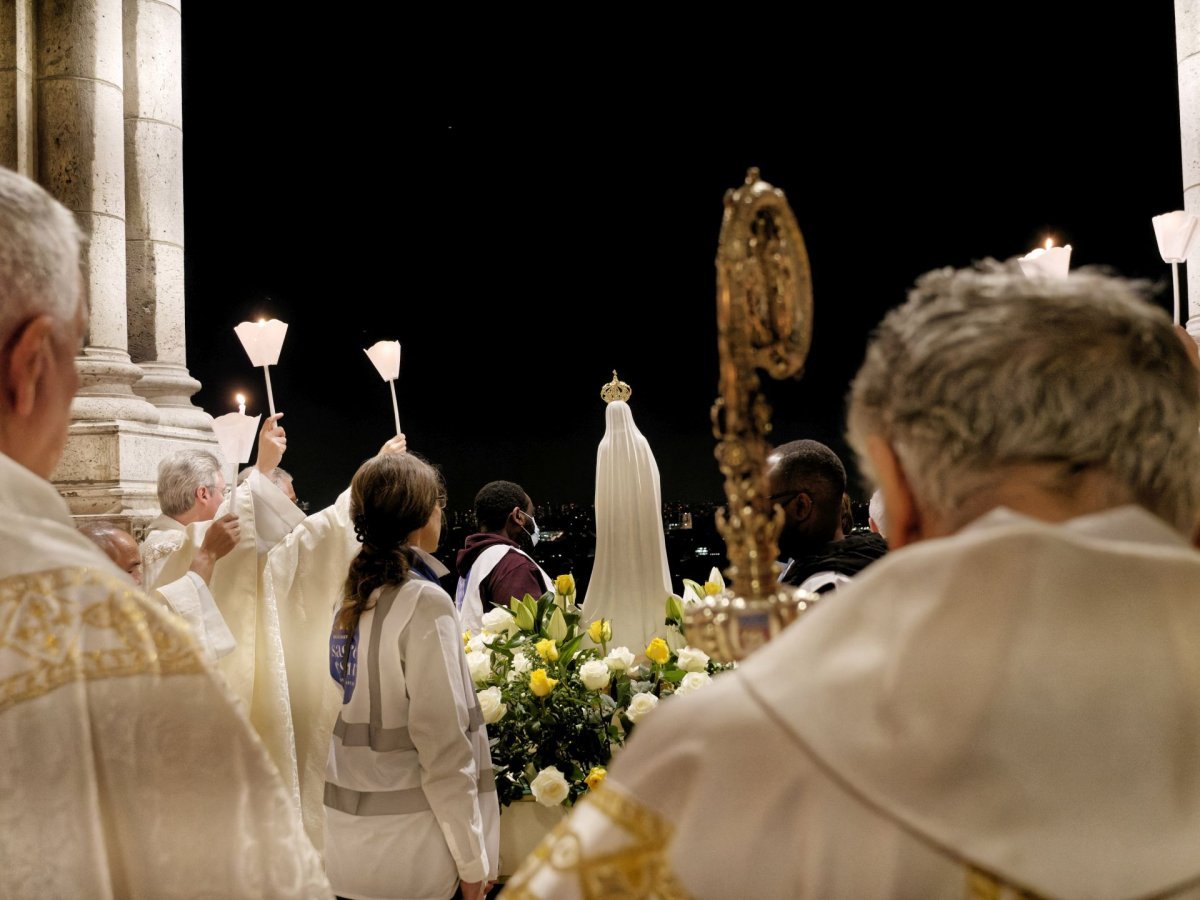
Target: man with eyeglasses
pixel 808 481
pixel 183 545
pixel 494 564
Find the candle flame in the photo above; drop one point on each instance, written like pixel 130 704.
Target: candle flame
pixel 1049 243
pixel 262 322
pixel 241 399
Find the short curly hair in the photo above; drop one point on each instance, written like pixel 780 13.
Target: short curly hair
pixel 495 501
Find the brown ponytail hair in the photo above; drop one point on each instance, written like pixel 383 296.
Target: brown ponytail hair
pixel 391 496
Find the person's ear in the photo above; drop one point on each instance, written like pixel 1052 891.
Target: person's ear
pixel 26 363
pixel 905 521
pixel 802 503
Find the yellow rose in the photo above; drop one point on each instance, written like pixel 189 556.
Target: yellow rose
pixel 600 631
pixel 711 588
pixel 658 651
pixel 540 684
pixel 565 585
pixel 595 777
pixel 546 650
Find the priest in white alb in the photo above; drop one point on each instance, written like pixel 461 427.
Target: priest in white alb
pixel 126 767
pixel 242 630
pixel 1008 703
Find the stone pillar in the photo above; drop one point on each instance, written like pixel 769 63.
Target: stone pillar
pixel 154 210
pixel 112 451
pixel 81 161
pixel 17 121
pixel 1187 46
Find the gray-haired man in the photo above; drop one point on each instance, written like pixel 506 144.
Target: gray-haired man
pixel 119 748
pixel 1006 703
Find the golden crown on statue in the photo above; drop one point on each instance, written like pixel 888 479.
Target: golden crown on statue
pixel 615 390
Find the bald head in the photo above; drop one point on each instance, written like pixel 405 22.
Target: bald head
pixel 118 545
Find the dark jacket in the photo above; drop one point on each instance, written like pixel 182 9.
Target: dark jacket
pixel 848 556
pixel 514 576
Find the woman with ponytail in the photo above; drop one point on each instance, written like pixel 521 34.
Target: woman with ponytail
pixel 410 800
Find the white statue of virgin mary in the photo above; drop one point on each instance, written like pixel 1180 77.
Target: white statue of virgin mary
pixel 630 581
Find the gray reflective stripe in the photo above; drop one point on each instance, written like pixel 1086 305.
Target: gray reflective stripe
pixel 487 782
pixel 382 606
pixel 375 803
pixel 362 734
pixel 476 714
pixel 389 803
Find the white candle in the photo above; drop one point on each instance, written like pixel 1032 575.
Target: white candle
pixel 1047 262
pixel 241 402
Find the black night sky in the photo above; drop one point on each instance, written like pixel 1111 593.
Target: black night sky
pixel 523 220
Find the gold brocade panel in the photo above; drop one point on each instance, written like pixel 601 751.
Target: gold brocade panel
pixel 638 869
pixel 79 624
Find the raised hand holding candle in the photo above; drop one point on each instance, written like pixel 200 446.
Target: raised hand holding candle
pixel 1047 262
pixel 262 341
pixel 385 356
pixel 1175 233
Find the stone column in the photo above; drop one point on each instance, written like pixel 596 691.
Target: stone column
pixel 81 161
pixel 17 122
pixel 154 210
pixel 1187 46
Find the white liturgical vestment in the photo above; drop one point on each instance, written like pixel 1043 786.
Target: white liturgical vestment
pixel 126 768
pixel 255 669
pixel 303 580
pixel 1014 707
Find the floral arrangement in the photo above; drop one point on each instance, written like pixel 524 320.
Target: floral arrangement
pixel 558 700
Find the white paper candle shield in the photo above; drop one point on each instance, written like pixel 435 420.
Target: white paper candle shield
pixel 235 433
pixel 1175 232
pixel 385 357
pixel 262 340
pixel 1047 262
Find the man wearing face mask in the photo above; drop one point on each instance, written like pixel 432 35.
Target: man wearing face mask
pixel 494 565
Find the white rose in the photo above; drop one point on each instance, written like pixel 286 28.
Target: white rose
pixel 693 681
pixel 692 660
pixel 619 659
pixel 550 788
pixel 475 644
pixel 594 674
pixel 520 665
pixel 639 705
pixel 480 664
pixel 499 621
pixel 491 706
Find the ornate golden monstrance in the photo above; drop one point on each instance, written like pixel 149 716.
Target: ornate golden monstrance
pixel 764 321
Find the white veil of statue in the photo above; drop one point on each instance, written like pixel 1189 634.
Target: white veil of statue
pixel 630 581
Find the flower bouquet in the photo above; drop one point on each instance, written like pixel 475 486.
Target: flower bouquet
pixel 558 701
